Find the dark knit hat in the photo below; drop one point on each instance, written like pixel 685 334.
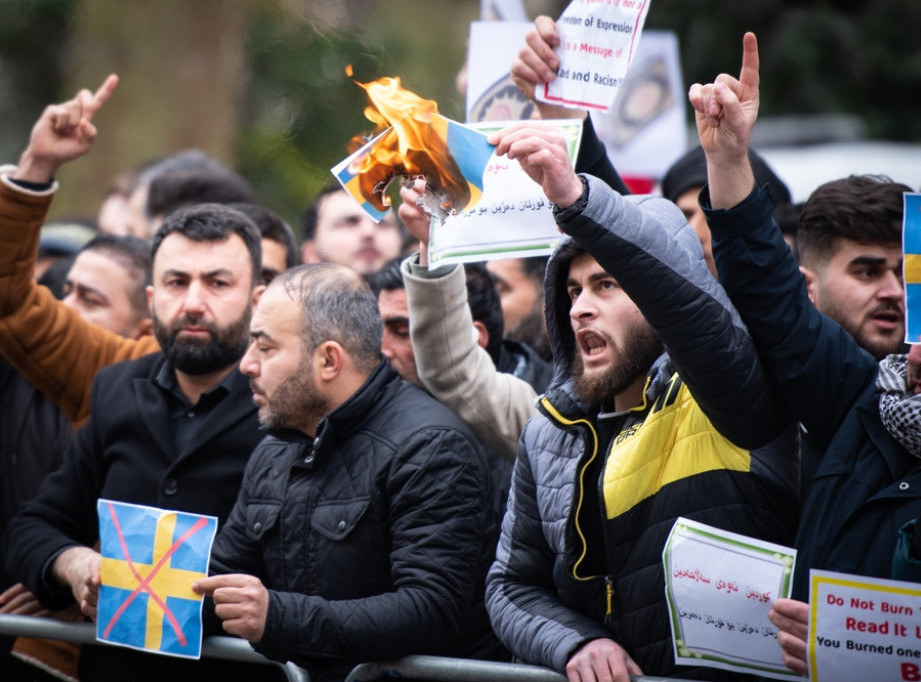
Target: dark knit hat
pixel 691 171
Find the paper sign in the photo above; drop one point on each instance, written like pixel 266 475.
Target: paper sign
pixel 863 628
pixel 719 587
pixel 513 217
pixel 491 93
pixel 597 41
pixel 150 558
pixel 911 247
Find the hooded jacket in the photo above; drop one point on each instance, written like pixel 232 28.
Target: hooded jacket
pixel 373 538
pixel 710 441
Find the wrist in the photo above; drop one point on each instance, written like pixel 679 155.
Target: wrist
pixel 34 169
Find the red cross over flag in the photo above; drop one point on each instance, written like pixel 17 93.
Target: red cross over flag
pixel 150 558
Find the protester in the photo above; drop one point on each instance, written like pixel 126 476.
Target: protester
pixel 336 230
pixel 520 282
pixel 106 285
pixel 171 430
pixel 363 530
pixel 37 333
pixel 849 247
pixel 698 432
pixel 863 415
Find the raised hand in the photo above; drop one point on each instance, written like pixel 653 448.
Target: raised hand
pixel 726 110
pixel 543 155
pixel 63 133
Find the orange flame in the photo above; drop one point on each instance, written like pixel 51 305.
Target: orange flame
pixel 411 147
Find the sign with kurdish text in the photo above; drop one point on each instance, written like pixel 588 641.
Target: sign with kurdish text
pixel 719 587
pixel 513 217
pixel 863 628
pixel 150 558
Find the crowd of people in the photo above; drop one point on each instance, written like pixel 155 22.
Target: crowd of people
pixel 479 461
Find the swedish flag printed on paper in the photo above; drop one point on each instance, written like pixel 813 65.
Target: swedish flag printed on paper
pixel 150 558
pixel 911 268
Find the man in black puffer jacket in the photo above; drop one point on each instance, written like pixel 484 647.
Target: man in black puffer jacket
pixel 363 529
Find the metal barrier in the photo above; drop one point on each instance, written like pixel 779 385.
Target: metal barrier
pixel 464 670
pixel 228 648
pixel 234 649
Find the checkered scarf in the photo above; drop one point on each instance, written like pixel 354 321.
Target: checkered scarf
pixel 899 411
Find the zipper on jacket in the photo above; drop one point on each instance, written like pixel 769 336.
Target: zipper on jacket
pixel 609 600
pixel 580 483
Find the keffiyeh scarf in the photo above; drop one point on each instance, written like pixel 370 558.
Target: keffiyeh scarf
pixel 900 411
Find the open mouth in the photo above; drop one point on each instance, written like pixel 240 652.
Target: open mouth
pixel 590 343
pixel 887 319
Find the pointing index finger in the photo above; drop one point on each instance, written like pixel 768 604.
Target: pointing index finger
pixel 102 95
pixel 749 76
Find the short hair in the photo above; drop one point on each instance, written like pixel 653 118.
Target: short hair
pixel 134 255
pixel 271 227
pixel 338 306
pixel 485 306
pixel 212 223
pixel 534 267
pixel 866 209
pixel 388 278
pixel 311 214
pixel 174 189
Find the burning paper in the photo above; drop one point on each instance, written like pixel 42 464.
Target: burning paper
pixel 418 142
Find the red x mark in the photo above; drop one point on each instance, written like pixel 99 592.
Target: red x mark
pixel 144 583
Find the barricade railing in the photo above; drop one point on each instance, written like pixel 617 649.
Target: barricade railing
pixel 227 648
pixel 438 668
pixel 464 670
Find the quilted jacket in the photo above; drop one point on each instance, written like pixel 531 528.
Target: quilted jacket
pixel 710 441
pixel 373 538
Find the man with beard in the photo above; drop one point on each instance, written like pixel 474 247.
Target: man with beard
pixel 172 429
pixel 628 438
pixel 364 528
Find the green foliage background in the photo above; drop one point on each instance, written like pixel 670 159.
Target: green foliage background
pixel 300 109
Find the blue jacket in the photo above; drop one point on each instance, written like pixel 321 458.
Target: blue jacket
pixel 866 485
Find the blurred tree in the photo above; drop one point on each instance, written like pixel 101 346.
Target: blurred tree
pixel 182 75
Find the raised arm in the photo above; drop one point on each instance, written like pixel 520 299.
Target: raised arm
pixel 40 336
pixel 647 245
pixel 450 362
pixel 806 353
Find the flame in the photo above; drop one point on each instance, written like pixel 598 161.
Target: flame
pixel 409 147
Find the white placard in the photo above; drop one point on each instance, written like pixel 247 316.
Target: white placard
pixel 863 628
pixel 597 41
pixel 719 587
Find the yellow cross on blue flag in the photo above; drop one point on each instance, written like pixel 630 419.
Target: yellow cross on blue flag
pixel 150 558
pixel 911 266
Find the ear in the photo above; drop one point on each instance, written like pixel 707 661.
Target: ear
pixel 482 334
pixel 150 292
pixel 143 328
pixel 309 253
pixel 257 294
pixel 812 283
pixel 328 361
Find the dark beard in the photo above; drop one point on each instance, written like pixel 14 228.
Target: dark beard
pixel 225 347
pixel 296 403
pixel 641 348
pixel 532 331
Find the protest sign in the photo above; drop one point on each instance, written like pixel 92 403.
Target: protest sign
pixel 719 587
pixel 863 628
pixel 150 558
pixel 597 41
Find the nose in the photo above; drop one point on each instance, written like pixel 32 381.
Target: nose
pixel 891 286
pixel 194 301
pixel 387 346
pixel 248 363
pixel 70 300
pixel 583 307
